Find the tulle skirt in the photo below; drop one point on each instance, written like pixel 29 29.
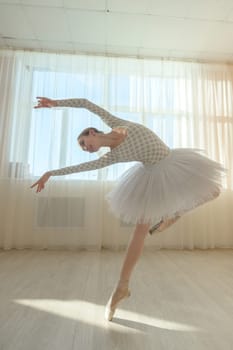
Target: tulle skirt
pixel 176 184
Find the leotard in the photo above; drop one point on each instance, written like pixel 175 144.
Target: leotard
pixel 141 144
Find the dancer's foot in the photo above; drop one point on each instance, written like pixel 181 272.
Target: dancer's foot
pixel 120 293
pixel 163 225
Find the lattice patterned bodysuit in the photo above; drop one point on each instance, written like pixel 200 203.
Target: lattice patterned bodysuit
pixel 141 144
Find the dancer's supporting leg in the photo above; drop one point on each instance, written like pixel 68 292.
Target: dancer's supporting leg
pixel 132 255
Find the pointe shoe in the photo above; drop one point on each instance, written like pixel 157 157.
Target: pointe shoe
pixel 118 295
pixel 155 227
pixel 163 225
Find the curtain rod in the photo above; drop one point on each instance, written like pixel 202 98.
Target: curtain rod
pixel 114 55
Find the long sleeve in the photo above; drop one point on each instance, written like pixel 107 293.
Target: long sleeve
pixel 108 118
pixel 107 159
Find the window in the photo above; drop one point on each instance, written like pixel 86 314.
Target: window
pixel 53 133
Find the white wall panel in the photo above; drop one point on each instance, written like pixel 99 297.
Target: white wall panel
pixel 13 22
pixel 48 24
pixel 86 27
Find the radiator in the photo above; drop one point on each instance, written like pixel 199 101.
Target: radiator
pixel 60 212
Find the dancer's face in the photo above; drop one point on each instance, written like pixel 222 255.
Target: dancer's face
pixel 89 143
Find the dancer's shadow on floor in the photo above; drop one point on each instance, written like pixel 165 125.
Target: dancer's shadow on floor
pixel 143 327
pixel 147 327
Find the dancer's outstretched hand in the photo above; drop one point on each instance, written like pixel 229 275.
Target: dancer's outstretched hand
pixel 44 102
pixel 41 182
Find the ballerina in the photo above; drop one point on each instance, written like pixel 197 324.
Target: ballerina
pixel 153 194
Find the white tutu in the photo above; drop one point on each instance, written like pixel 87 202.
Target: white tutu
pixel 176 184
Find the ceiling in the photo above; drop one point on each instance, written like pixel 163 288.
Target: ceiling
pixel 184 29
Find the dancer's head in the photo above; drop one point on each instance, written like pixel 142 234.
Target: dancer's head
pixel 88 139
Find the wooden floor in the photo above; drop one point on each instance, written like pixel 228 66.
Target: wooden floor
pixel 54 300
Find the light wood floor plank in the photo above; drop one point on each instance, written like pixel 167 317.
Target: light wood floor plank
pixel 56 300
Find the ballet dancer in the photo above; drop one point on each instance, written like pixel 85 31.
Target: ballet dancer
pixel 154 193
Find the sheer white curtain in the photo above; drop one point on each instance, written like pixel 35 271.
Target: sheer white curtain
pixel 186 104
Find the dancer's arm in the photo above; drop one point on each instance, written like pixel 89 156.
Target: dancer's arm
pixel 105 160
pixel 102 162
pixel 108 118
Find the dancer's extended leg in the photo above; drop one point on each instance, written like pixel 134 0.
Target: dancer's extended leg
pixel 132 255
pixel 164 224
